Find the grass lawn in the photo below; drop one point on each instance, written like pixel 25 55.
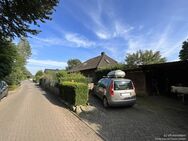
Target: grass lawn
pixel 13 87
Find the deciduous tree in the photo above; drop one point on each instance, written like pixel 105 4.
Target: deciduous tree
pixel 8 55
pixel 143 58
pixel 183 54
pixel 73 63
pixel 16 16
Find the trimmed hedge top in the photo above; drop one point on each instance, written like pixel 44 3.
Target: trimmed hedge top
pixel 72 77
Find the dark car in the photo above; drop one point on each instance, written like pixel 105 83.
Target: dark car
pixel 3 89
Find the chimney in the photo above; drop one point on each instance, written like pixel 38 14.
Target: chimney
pixel 102 53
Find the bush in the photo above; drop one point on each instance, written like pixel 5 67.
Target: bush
pixel 74 93
pixel 104 71
pixel 38 76
pixel 51 77
pixel 72 77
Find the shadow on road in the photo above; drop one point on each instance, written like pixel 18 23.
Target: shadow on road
pixel 54 99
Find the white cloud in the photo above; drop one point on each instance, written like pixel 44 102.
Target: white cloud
pixel 122 30
pixel 117 30
pixel 157 41
pixel 47 63
pixel 102 35
pixel 42 42
pixel 69 40
pixel 93 19
pixel 78 40
pixel 34 65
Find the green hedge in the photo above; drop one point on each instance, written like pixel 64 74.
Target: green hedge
pixel 74 93
pixel 75 77
pixel 104 71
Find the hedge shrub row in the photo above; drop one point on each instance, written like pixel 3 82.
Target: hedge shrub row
pixel 73 77
pixel 74 93
pixel 73 87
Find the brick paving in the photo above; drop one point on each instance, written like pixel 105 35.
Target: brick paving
pixel 32 115
pixel 152 118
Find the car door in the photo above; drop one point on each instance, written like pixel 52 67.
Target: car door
pixel 102 88
pixel 99 88
pixel 1 89
pixel 5 89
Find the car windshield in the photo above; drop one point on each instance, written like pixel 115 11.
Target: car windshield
pixel 123 85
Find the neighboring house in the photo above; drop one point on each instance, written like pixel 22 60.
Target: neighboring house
pixel 89 67
pixel 51 70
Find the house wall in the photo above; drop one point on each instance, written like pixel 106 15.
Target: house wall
pixel 139 80
pixel 90 74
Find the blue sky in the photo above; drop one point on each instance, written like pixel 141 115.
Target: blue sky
pixel 83 29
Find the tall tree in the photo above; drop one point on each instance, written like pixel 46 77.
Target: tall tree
pixel 8 56
pixel 183 54
pixel 16 16
pixel 143 58
pixel 73 63
pixel 24 48
pixel 18 70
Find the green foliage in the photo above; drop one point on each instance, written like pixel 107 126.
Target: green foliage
pixel 8 56
pixel 24 49
pixel 114 67
pixel 74 93
pixel 61 74
pixel 73 87
pixel 143 58
pixel 75 77
pixel 183 54
pixel 12 87
pixel 27 73
pixel 73 63
pixel 14 77
pixel 19 71
pixel 104 71
pixel 18 15
pixel 38 76
pixel 51 77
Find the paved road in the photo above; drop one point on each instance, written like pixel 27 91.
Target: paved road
pixel 32 115
pixel 152 118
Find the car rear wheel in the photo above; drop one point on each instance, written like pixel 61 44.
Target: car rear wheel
pixel 105 102
pixel 6 94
